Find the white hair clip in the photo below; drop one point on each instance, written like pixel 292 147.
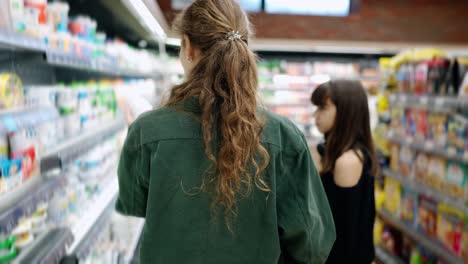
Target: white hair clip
pixel 233 35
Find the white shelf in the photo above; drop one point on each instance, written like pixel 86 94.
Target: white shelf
pixel 96 208
pixel 104 66
pixel 14 41
pixel 71 149
pixel 135 239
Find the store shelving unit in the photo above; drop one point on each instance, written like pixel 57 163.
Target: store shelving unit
pixel 134 243
pixel 386 257
pixel 14 41
pixel 424 190
pixel 432 103
pixel 49 247
pixel 17 42
pixel 427 149
pixel 83 228
pixel 427 242
pixel 16 204
pixel 65 153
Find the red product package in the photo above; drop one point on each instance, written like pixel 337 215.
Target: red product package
pixel 427 216
pixel 28 161
pixel 420 78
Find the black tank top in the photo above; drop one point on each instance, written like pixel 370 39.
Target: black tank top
pixel 353 211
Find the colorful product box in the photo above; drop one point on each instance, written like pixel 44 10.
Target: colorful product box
pixel 427 215
pixel 397 125
pixel 394 157
pixel 409 206
pixel 456 180
pixel 457 134
pixel 437 130
pixel 392 192
pixel 450 228
pixel 464 248
pixel 420 168
pixel 407 157
pixel 436 172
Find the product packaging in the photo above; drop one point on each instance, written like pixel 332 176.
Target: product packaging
pixel 420 118
pixel 420 168
pixel 407 157
pixel 409 208
pixel 436 172
pixel 427 216
pixel 11 91
pixel 8 251
pixel 411 123
pixel 394 156
pixel 437 131
pixel 449 228
pixel 464 248
pixel 392 191
pixel 397 125
pixel 457 180
pixel 420 78
pixel 40 6
pixel 457 134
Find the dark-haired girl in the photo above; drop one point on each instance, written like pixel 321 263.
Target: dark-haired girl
pixel 347 164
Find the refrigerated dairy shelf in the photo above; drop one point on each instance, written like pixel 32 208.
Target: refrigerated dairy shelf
pixel 48 248
pixel 65 153
pixel 14 41
pixel 22 42
pixel 104 201
pixel 24 200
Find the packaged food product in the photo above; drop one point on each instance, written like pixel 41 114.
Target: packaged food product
pixel 392 191
pixel 8 251
pixel 11 90
pixel 407 157
pixel 397 125
pixel 24 147
pixel 23 235
pixel 420 168
pixel 405 78
pixel 464 248
pixel 456 180
pixel 410 123
pixel 457 134
pixel 436 172
pixel 427 215
pixel 438 68
pixel 420 78
pixel 394 156
pixel 409 206
pixel 57 15
pixel 3 141
pixel 11 174
pixel 41 6
pixel 437 130
pixel 420 119
pixel 463 91
pixel 450 227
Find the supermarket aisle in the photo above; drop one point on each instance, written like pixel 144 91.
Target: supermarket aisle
pixel 71 82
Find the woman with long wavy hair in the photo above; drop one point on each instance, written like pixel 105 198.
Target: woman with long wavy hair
pixel 218 179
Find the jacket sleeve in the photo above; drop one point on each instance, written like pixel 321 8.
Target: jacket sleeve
pixel 133 165
pixel 306 227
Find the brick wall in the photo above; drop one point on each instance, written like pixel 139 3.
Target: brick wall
pixel 429 21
